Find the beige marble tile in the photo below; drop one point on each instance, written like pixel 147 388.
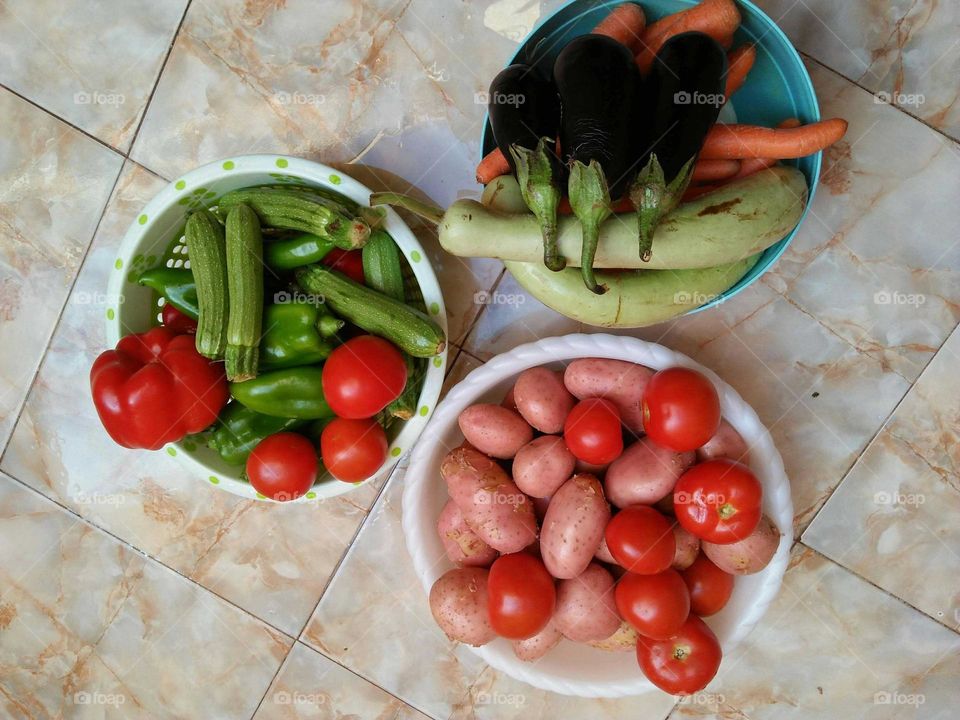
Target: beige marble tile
pixel 91 629
pixel 834 646
pixel 93 64
pixel 273 561
pixel 893 519
pixel 906 51
pixel 55 183
pixel 310 685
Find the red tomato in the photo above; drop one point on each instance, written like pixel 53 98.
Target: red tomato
pixel 655 605
pixel 641 540
pixel 709 586
pixel 681 409
pixel 363 376
pixel 177 321
pixel 283 466
pixel 592 431
pixel 684 664
pixel 521 596
pixel 718 501
pixel 349 262
pixel 353 450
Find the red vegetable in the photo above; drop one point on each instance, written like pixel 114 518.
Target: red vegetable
pixel 349 262
pixel 521 596
pixel 363 376
pixel 177 321
pixel 353 450
pixel 719 501
pixel 685 663
pixel 681 409
pixel 283 466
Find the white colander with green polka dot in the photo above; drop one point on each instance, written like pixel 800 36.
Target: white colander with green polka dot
pixel 155 237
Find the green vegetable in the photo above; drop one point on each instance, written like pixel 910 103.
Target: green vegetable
pixel 382 270
pixel 239 430
pixel 296 251
pixel 590 201
pixel 298 210
pixel 410 330
pixel 208 263
pixel 289 393
pixel 176 285
pixel 405 406
pixel 297 334
pixel 245 280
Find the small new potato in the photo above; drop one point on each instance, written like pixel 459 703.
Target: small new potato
pixel 461 544
pixel 495 430
pixel 688 545
pixel 747 556
pixel 619 381
pixel 586 609
pixel 542 466
pixel 573 526
pixel 623 640
pixel 644 474
pixel 534 648
pixel 726 443
pixel 458 603
pixel 542 399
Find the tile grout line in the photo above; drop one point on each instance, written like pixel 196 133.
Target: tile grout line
pixel 483 308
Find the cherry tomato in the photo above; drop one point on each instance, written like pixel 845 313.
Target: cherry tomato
pixel 177 321
pixel 655 605
pixel 521 596
pixel 353 450
pixel 283 466
pixel 718 501
pixel 363 376
pixel 349 262
pixel 709 586
pixel 681 409
pixel 684 664
pixel 641 540
pixel 592 431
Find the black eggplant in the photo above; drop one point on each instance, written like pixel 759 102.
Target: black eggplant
pixel 524 113
pixel 685 93
pixel 599 84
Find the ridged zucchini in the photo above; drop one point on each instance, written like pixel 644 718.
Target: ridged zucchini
pixel 245 281
pixel 208 263
pixel 381 265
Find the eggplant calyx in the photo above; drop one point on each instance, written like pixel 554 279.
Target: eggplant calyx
pixel 590 201
pixel 425 210
pixel 540 191
pixel 652 198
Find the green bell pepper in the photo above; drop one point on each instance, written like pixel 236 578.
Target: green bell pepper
pixel 176 285
pixel 289 393
pixel 297 333
pixel 239 430
pixel 296 251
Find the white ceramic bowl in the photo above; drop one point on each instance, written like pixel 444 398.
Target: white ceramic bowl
pixel 157 233
pixel 570 668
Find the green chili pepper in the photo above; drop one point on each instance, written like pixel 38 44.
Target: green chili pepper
pixel 176 285
pixel 296 334
pixel 239 430
pixel 296 251
pixel 289 393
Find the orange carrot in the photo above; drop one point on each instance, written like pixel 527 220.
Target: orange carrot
pixel 624 24
pixel 739 63
pixel 713 170
pixel 727 142
pixel 717 18
pixel 492 166
pixel 749 166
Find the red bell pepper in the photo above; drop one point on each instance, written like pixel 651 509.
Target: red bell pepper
pixel 349 262
pixel 177 321
pixel 155 388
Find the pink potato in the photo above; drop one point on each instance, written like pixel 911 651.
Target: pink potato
pixel 461 544
pixel 573 526
pixel 644 474
pixel 619 381
pixel 495 430
pixel 542 399
pixel 540 506
pixel 726 443
pixel 688 545
pixel 509 401
pixel 623 640
pixel 534 648
pixel 586 608
pixel 747 556
pixel 543 465
pixel 590 468
pixel 458 602
pixel 491 504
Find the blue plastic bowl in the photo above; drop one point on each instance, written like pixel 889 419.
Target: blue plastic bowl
pixel 778 86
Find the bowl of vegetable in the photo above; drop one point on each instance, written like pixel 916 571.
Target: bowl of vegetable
pixel 581 503
pixel 260 298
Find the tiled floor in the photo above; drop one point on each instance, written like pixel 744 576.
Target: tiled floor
pixel 129 589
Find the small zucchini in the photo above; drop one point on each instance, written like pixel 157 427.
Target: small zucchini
pixel 208 263
pixel 381 265
pixel 408 329
pixel 245 281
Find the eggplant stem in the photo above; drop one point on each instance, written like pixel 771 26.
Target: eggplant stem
pixel 538 185
pixel 417 207
pixel 590 201
pixel 652 198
